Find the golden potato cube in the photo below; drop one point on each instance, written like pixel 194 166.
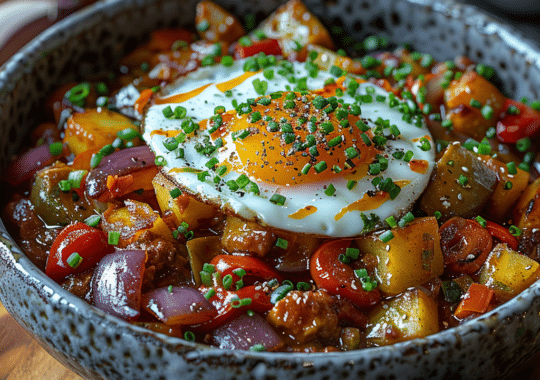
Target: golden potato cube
pixel 93 128
pixel 502 199
pixel 413 314
pixel 185 208
pixel 411 258
pixel 465 118
pixel 508 272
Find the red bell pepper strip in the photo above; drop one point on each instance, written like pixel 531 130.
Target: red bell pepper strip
pixel 502 234
pixel 512 127
pixel 476 300
pixel 255 268
pixel 267 46
pixel 337 278
pixel 77 248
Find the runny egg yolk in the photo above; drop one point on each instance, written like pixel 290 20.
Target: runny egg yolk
pixel 294 139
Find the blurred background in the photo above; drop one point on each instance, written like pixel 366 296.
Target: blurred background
pixel 22 20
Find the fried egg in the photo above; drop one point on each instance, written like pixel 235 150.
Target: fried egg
pixel 292 147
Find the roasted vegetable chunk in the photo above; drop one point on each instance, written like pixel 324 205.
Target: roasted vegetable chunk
pixel 306 317
pixel 508 273
pixel 465 99
pixel 246 236
pixel 58 205
pixel 461 186
pixel 411 315
pixel 411 258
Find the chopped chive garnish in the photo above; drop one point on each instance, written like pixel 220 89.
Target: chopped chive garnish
pixel 386 236
pixel 175 193
pixel 95 160
pixel 74 260
pixel 92 220
pixel 351 184
pixel 475 103
pixel 514 230
pixel 282 243
pixel 511 166
pixel 168 112
pixel 305 169
pixel 481 221
pixel 320 166
pixel 160 161
pixel 523 144
pixel 391 221
pixel 113 237
pixel 330 190
pixel 56 148
pixel 278 199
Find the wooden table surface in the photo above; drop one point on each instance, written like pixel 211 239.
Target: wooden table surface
pixel 21 358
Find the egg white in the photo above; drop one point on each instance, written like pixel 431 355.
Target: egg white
pixel 258 207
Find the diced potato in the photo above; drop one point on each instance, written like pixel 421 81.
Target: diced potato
pixel 502 199
pixel 461 186
pixel 185 208
pixel 327 58
pixel 351 338
pixel 508 272
pixel 92 129
pixel 215 24
pixel 129 220
pixel 527 210
pixel 294 24
pixel 412 315
pixel 201 251
pixel 245 236
pixel 53 205
pixel 465 118
pixel 411 258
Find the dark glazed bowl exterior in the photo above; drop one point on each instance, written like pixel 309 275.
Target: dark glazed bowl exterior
pixel 99 346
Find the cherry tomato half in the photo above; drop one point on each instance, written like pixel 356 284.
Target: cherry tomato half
pixel 90 244
pixel 465 245
pixel 512 127
pixel 337 278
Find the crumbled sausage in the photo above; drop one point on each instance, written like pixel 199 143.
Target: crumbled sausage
pixel 247 237
pixel 80 285
pixel 306 317
pixel 166 262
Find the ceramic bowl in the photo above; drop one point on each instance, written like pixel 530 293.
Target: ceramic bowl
pixel 97 345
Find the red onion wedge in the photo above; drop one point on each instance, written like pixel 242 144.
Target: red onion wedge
pixel 246 332
pixel 117 283
pixel 178 306
pixel 122 162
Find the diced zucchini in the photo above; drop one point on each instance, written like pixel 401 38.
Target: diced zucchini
pixel 411 258
pixel 412 315
pixel 508 272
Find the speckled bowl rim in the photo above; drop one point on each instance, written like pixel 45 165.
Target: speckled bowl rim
pixel 11 71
